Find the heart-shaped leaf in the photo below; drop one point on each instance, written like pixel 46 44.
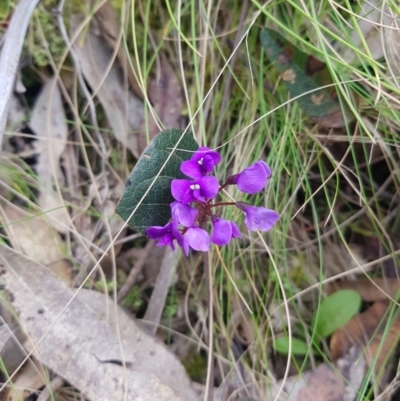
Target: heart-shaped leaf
pixel 154 210
pixel 303 73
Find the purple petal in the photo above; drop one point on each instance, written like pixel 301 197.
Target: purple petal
pixel 164 235
pixel 235 230
pixel 157 232
pixel 181 191
pixel 258 218
pixel 254 178
pixel 205 151
pixel 209 187
pixel 183 214
pixel 222 232
pixel 198 239
pixel 266 168
pixel 192 169
pixel 167 239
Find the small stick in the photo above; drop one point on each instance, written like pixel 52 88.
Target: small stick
pixel 130 280
pixel 208 395
pixel 49 390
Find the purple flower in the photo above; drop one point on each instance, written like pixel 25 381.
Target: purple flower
pixel 166 235
pixel 224 231
pixel 183 214
pixel 201 163
pixel 252 179
pixel 198 239
pixel 258 218
pixel 200 190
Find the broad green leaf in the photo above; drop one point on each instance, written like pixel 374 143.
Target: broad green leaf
pixel 299 347
pixel 303 73
pixel 335 311
pixel 155 207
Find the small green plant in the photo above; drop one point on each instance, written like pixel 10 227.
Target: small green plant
pixel 134 298
pixel 332 313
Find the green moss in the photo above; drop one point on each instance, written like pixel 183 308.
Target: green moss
pixel 134 298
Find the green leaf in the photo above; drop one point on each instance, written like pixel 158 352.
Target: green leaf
pixel 302 73
pixel 299 347
pixel 335 311
pixel 155 207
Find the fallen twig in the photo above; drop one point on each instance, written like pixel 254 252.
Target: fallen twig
pixel 130 280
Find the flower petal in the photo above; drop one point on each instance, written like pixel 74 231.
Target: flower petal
pixel 235 230
pixel 266 168
pixel 167 239
pixel 157 232
pixel 205 151
pixel 198 239
pixel 181 191
pixel 254 178
pixel 258 218
pixel 222 232
pixel 183 214
pixel 209 187
pixel 192 169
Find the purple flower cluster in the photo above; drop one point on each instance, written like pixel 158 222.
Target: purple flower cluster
pixel 194 203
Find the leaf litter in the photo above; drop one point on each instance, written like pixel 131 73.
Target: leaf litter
pixel 124 112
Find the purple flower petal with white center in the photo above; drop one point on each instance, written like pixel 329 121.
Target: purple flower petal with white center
pixel 198 239
pixel 186 191
pixel 224 231
pixel 252 179
pixel 201 163
pixel 183 214
pixel 258 218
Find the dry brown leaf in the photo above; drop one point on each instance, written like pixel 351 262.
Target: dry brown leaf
pixel 110 30
pixel 390 38
pixel 28 381
pixel 10 55
pixel 369 30
pixel 165 94
pixel 49 123
pixel 328 382
pixel 77 342
pixel 371 290
pixel 36 238
pixel 124 111
pixel 11 351
pixel 367 331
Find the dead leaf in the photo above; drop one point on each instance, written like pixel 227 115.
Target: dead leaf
pixel 85 343
pixel 110 30
pixel 368 28
pixel 367 331
pixel 306 78
pixel 49 122
pixel 36 238
pixel 124 111
pixel 370 289
pixel 28 381
pixel 328 382
pixel 11 351
pixel 390 39
pixel 10 55
pixel 165 95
